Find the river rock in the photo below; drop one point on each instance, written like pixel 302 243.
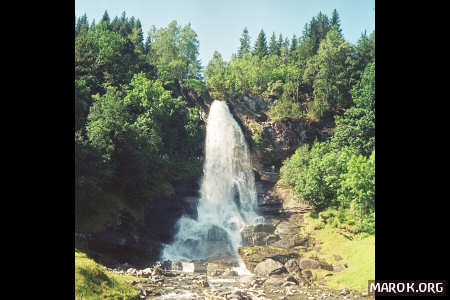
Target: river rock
pixel 172 265
pixel 288 242
pixel 308 263
pixel 274 281
pixel 230 273
pixel 292 266
pixel 269 267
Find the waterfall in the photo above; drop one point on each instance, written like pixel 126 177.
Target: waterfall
pixel 227 194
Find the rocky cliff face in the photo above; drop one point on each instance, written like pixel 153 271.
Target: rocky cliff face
pixel 270 141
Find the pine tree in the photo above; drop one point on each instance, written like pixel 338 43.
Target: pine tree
pixel 280 41
pixel 273 46
pixel 335 21
pixel 105 18
pixel 245 43
pixel 293 44
pixel 82 24
pixel 261 45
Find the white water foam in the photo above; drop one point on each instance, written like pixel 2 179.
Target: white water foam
pixel 227 194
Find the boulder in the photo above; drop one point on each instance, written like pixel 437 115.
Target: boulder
pixel 292 279
pixel 286 228
pixel 292 266
pixel 308 263
pixel 172 265
pixel 256 254
pixel 268 228
pixel 258 235
pixel 269 267
pixel 274 281
pixel 288 242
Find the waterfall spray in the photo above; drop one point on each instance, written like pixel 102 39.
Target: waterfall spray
pixel 227 193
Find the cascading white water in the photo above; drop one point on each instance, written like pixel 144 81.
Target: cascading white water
pixel 227 194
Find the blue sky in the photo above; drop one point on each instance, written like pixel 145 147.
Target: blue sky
pixel 219 24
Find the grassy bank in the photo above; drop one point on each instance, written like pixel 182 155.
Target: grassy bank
pixel 358 254
pixel 93 281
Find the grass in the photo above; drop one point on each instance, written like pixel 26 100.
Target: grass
pixel 358 254
pixel 93 281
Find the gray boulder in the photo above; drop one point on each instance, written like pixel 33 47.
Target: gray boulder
pixel 308 263
pixel 269 267
pixel 292 266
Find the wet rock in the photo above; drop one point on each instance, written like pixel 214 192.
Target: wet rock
pixel 230 273
pixel 172 265
pixel 200 267
pixel 308 263
pixel 216 233
pixel 269 267
pixel 268 228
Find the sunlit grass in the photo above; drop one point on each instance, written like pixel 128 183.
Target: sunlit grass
pixel 93 281
pixel 358 254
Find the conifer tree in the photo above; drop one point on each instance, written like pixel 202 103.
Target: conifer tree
pixel 245 43
pixel 105 18
pixel 293 43
pixel 261 45
pixel 335 21
pixel 273 46
pixel 280 41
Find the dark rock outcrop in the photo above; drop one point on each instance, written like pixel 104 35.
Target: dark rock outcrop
pixel 126 240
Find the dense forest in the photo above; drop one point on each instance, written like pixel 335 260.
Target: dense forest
pixel 135 137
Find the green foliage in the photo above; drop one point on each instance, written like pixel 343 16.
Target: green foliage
pixel 327 74
pixel 356 128
pixel 174 51
pixel 133 139
pixel 250 74
pixel 357 190
pixel 341 180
